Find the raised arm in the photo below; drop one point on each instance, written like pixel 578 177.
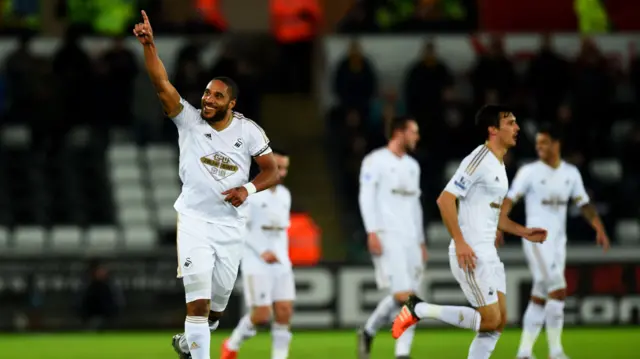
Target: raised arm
pixel 166 92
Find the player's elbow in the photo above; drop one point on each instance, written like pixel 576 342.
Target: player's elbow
pixel 444 199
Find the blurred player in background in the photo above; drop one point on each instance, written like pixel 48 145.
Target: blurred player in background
pixel 267 275
pixel 392 215
pixel 547 186
pixel 216 147
pixel 479 186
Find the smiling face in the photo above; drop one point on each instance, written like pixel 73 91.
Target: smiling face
pixel 216 101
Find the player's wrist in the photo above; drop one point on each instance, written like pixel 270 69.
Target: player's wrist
pixel 250 187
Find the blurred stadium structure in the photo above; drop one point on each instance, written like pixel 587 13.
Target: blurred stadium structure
pixel 88 170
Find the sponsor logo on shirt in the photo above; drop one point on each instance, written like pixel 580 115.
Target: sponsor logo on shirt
pixel 461 183
pixel 219 165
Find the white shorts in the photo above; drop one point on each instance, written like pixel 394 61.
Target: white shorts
pixel 264 289
pixel 400 267
pixel 209 256
pixel 480 286
pixel 547 264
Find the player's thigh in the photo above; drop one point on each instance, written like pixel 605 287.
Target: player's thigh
pixel 227 264
pixel 194 250
pixel 480 286
pixel 398 274
pixel 415 267
pixel 284 287
pixel 257 288
pixel 539 258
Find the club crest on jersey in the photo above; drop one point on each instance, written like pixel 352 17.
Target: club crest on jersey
pixel 238 143
pixel 219 165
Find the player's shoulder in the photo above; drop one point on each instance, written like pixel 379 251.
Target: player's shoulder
pixel 248 125
pixel 284 190
pixel 570 168
pixel 374 156
pixel 475 160
pixel 529 168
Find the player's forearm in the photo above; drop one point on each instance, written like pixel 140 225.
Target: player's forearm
pixel 419 221
pixel 590 213
pixel 449 214
pixel 366 200
pixel 155 68
pixel 507 206
pixel 505 224
pixel 267 178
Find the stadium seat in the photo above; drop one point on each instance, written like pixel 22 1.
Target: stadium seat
pixel 437 234
pixel 163 173
pixel 79 136
pixel 131 194
pixel 125 173
pixel 122 154
pixel 134 215
pixel 450 169
pixel 156 154
pixel 621 129
pixel 140 237
pixel 165 194
pixel 166 218
pixel 29 238
pixel 628 231
pixel 606 170
pixel 102 238
pixel 66 238
pixel 16 136
pixel 4 238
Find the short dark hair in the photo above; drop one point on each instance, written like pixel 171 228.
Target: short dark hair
pixel 399 123
pixel 550 130
pixel 279 151
pixel 233 87
pixel 490 116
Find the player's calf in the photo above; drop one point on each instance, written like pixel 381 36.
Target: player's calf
pixel 196 328
pixel 532 323
pixel 280 332
pixel 554 320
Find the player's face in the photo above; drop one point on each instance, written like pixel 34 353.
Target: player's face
pixel 508 131
pixel 546 147
pixel 216 101
pixel 283 166
pixel 411 136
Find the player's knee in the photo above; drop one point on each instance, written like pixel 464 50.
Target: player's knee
pixel 537 300
pixel 401 297
pixel 491 318
pixel 215 316
pixel 558 294
pixel 283 312
pixel 260 315
pixel 198 308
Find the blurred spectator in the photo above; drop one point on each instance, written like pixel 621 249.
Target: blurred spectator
pixel 121 71
pixel 295 24
pixel 358 19
pixel 188 74
pixel 426 82
pixel 226 64
pixel 355 82
pixel 493 77
pixel 101 298
pixel 634 79
pixel 383 109
pixel 593 88
pixel 73 69
pixel 21 77
pixel 548 78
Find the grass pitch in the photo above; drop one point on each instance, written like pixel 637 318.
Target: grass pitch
pixel 429 343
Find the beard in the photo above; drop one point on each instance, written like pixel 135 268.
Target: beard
pixel 219 116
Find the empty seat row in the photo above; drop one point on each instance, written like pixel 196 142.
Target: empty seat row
pixel 153 154
pixel 72 239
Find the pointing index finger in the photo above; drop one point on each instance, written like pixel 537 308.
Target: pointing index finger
pixel 145 17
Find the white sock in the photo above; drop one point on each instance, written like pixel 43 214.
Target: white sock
pixel 196 329
pixel 280 340
pixel 483 345
pixel 184 345
pixel 403 344
pixel 532 323
pixel 554 312
pixel 243 331
pixel 461 317
pixel 380 315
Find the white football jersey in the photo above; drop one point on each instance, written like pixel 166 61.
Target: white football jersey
pixel 212 162
pixel 547 192
pixel 480 184
pixel 269 220
pixel 390 195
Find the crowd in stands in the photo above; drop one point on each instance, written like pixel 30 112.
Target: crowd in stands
pixel 578 95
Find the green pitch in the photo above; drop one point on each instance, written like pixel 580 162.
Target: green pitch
pixel 436 344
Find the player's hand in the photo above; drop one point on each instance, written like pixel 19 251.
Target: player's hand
pixel 269 257
pixel 236 196
pixel 499 238
pixel 603 240
pixel 425 253
pixel 143 30
pixel 373 242
pixel 536 235
pixel 466 256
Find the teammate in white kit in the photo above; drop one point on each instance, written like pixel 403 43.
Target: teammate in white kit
pixel 548 186
pixel 479 185
pixel 392 215
pixel 216 147
pixel 266 269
